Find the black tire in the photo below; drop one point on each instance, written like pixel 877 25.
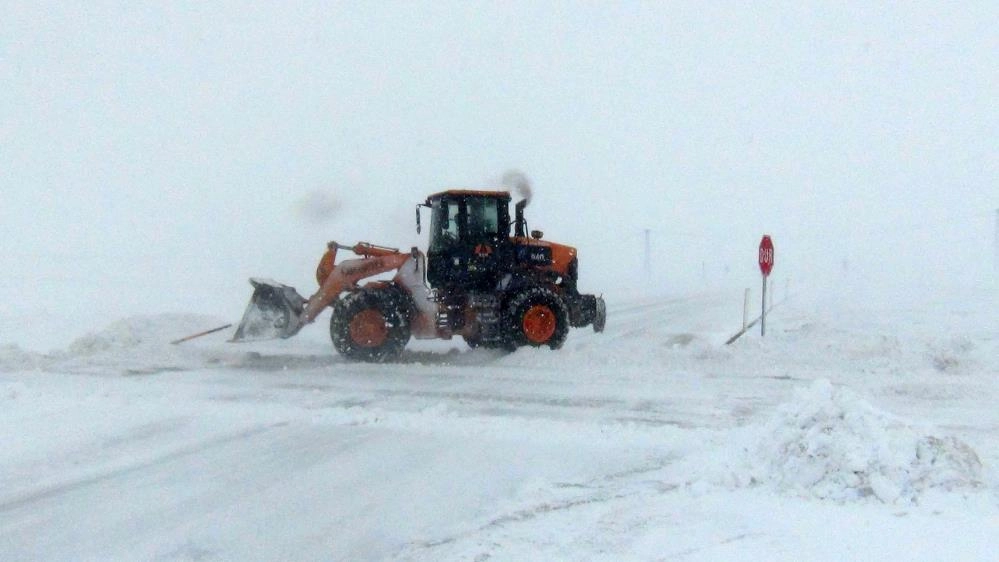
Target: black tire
pixel 544 305
pixel 371 325
pixel 473 341
pixel 600 315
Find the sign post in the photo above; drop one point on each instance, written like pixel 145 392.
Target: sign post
pixel 766 266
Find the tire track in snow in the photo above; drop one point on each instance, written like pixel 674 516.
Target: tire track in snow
pixel 601 492
pixel 631 321
pixel 50 491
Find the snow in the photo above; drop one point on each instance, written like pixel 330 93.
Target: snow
pixel 830 444
pixel 653 440
pixel 156 155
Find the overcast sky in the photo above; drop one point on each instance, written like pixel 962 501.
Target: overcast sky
pixel 863 136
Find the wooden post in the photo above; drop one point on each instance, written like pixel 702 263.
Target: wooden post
pixel 745 309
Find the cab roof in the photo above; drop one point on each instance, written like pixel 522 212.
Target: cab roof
pixel 465 192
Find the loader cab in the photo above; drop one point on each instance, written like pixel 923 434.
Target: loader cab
pixel 469 239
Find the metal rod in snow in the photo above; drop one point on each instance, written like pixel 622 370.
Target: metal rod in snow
pixel 752 324
pixel 742 332
pixel 763 314
pixel 199 334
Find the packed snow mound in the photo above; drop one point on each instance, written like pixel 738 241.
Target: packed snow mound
pixel 830 444
pixel 141 331
pixel 141 345
pixel 14 358
pixel 952 355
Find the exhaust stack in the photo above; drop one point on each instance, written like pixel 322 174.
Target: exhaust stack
pixel 517 181
pixel 520 225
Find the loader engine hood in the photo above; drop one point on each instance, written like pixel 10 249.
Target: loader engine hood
pixel 543 254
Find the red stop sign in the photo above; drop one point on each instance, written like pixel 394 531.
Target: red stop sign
pixel 766 255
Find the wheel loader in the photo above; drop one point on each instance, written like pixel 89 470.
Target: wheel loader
pixel 477 281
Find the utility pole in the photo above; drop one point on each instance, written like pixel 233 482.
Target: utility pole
pixel 648 252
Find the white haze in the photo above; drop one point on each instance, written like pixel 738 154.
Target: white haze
pixel 154 155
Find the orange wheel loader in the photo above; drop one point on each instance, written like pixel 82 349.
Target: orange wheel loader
pixel 477 281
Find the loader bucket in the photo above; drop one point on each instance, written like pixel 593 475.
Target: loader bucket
pixel 274 312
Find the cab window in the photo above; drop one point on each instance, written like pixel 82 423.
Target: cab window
pixel 483 218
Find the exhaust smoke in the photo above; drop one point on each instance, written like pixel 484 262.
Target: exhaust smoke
pixel 519 183
pixel 317 207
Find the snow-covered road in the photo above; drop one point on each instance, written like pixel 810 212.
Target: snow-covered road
pixel 652 441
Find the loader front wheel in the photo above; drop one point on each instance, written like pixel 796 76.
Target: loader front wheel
pixel 536 317
pixel 370 325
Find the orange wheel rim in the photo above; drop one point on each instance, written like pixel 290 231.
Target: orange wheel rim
pixel 539 323
pixel 368 329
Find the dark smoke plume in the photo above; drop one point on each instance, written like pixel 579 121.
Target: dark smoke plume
pixel 518 182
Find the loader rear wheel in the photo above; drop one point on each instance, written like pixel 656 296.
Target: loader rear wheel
pixel 370 325
pixel 538 324
pixel 537 316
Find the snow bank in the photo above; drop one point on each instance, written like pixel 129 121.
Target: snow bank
pixel 141 331
pixel 830 444
pixel 13 358
pixel 141 344
pixel 134 345
pixel 952 355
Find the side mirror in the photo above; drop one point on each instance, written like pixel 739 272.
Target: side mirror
pixel 417 219
pixel 537 234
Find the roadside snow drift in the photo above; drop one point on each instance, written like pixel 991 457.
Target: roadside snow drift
pixel 133 345
pixel 830 444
